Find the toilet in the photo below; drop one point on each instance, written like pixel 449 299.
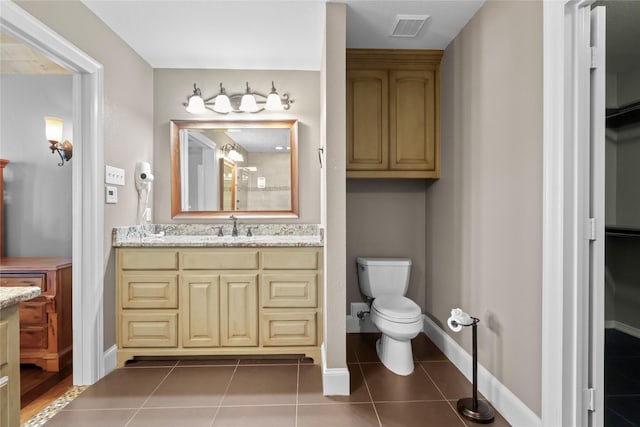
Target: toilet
pixel 386 280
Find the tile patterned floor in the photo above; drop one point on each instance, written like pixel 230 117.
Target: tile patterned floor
pixel 621 379
pixel 278 393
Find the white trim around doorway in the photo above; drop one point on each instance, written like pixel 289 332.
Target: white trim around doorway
pixel 88 214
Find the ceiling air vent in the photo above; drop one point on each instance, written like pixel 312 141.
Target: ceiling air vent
pixel 408 25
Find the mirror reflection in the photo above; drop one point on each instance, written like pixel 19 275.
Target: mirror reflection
pixel 245 168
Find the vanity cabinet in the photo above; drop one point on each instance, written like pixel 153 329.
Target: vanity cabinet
pixel 218 301
pixel 9 367
pixel 393 113
pixel 46 334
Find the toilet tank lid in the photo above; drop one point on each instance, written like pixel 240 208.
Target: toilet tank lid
pixel 363 260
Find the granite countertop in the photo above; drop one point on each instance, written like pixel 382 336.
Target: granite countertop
pixel 206 235
pixel 11 295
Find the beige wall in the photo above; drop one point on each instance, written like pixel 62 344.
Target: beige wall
pixel 128 115
pixel 484 216
pixel 173 86
pixel 386 218
pixel 333 177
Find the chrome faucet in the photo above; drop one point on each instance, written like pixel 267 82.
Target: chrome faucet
pixel 234 232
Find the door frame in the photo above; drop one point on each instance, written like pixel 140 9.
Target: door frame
pixel 87 177
pixel 566 191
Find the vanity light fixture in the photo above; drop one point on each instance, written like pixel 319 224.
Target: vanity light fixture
pixel 247 102
pixel 53 132
pixel 232 152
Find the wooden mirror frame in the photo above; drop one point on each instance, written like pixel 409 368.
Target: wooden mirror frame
pixel 176 182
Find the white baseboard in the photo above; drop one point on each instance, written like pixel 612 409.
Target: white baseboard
pixel 507 403
pixel 110 359
pixel 335 381
pixel 622 327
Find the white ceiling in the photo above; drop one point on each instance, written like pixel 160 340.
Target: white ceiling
pixel 262 34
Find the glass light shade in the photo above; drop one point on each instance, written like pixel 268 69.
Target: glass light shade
pixel 53 128
pixel 196 105
pixel 222 104
pixel 248 103
pixel 273 102
pixel 236 156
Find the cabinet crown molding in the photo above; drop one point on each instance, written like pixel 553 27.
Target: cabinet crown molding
pixel 393 58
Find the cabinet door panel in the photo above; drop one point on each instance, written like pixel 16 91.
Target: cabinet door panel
pixel 412 120
pixel 290 260
pixel 239 309
pixel 149 290
pixel 4 339
pixel 290 328
pixel 200 312
pixel 220 260
pixel 289 290
pixel 149 329
pixel 367 120
pixel 148 259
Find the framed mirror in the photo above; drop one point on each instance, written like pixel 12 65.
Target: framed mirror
pixel 244 168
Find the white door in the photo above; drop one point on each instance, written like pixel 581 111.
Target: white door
pixel 594 394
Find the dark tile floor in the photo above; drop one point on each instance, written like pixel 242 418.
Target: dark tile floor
pixel 621 379
pixel 278 393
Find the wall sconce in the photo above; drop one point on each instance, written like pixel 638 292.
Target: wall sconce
pixel 53 131
pixel 247 102
pixel 232 152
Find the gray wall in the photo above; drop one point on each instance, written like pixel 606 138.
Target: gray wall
pixel 484 216
pixel 386 218
pixel 171 88
pixel 38 191
pixel 128 116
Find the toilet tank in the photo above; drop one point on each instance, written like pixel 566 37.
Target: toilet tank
pixel 378 276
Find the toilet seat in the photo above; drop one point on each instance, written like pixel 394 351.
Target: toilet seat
pixel 396 308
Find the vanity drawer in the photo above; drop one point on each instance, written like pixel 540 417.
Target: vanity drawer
pixel 288 329
pixel 33 312
pixel 38 280
pixel 140 290
pixel 149 259
pixel 220 260
pixel 33 337
pixel 290 289
pixel 149 329
pixel 296 259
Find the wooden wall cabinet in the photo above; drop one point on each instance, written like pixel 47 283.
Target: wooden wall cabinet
pixel 393 113
pixel 46 334
pixel 218 301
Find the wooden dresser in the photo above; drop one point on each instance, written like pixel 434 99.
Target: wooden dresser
pixel 46 334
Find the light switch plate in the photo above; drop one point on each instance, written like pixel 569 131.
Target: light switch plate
pixel 111 194
pixel 113 175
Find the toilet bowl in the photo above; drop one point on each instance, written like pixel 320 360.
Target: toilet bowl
pixel 386 280
pixel 399 320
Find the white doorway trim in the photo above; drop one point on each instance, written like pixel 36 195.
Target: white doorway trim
pixel 87 209
pixel 565 311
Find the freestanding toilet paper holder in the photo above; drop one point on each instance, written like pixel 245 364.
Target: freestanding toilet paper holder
pixel 470 407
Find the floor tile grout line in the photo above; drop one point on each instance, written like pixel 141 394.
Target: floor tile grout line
pixel 151 394
pixel 366 384
pixel 441 393
pixel 224 394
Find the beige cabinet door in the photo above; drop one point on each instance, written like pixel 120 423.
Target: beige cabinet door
pixel 200 310
pixel 412 120
pixel 238 310
pixel 367 120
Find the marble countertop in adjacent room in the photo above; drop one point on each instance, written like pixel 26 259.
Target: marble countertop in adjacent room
pixel 206 235
pixel 11 295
